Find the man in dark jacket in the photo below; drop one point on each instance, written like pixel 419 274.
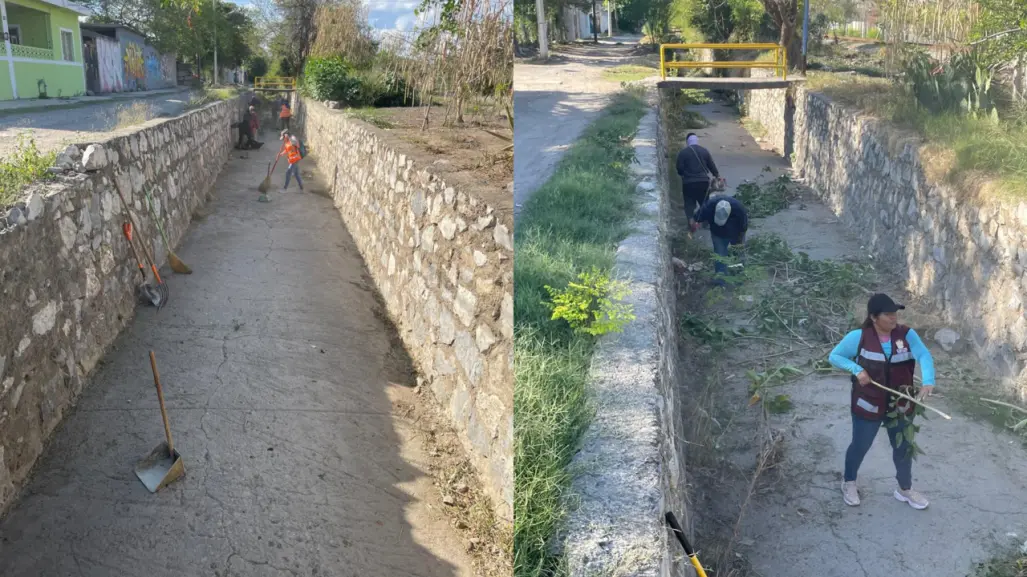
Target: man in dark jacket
pixel 694 166
pixel 729 221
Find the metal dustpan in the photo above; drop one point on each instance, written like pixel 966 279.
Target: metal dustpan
pixel 160 468
pixel 164 465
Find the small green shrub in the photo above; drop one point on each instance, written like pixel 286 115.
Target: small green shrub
pixel 25 166
pixel 331 79
pixel 591 306
pixel 380 88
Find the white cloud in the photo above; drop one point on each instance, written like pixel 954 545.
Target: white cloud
pixel 392 5
pixel 405 23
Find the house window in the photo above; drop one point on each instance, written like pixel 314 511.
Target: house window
pixel 68 45
pixel 15 33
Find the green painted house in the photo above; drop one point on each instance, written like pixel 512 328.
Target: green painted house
pixel 42 47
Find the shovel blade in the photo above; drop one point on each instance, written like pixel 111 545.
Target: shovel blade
pixel 160 468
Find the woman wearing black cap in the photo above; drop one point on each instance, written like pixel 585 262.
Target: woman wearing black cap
pixel 886 352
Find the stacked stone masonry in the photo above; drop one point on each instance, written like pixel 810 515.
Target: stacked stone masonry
pixel 68 277
pixel 964 252
pixel 442 259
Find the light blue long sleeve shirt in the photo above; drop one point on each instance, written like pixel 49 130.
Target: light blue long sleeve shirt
pixel 842 356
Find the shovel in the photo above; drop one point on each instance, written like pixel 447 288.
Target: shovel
pixel 163 465
pixel 161 287
pixel 156 297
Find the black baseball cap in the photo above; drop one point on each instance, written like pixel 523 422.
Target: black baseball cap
pixel 882 303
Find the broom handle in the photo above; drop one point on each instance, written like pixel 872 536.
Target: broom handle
pixel 153 265
pixel 160 397
pixel 909 398
pixel 276 163
pixel 156 219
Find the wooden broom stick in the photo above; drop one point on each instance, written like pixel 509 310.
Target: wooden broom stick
pixel 909 398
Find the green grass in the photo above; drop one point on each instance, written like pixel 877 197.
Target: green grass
pixel 209 95
pixel 23 167
pixel 572 223
pixel 370 115
pixel 629 73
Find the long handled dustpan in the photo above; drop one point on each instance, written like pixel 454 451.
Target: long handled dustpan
pixel 163 465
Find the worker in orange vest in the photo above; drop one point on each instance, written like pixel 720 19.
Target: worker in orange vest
pixel 293 152
pixel 285 115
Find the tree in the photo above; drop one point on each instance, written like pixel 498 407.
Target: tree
pixel 784 14
pixel 1002 28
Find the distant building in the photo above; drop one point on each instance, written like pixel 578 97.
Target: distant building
pixel 42 48
pixel 118 59
pixel 578 23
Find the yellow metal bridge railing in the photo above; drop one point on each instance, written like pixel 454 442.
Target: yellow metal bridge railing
pixel 779 64
pixel 274 83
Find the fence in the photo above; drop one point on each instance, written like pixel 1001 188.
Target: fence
pixel 779 64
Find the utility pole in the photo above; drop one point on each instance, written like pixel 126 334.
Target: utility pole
pixel 609 18
pixel 595 24
pixel 805 33
pixel 215 5
pixel 543 40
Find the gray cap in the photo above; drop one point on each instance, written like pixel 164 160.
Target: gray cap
pixel 722 212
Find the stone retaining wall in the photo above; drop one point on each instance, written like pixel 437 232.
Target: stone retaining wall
pixel 443 260
pixel 68 277
pixel 631 467
pixel 964 251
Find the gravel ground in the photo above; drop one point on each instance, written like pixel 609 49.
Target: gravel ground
pixel 554 102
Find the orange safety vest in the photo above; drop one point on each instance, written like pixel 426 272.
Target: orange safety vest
pixel 293 152
pixel 286 113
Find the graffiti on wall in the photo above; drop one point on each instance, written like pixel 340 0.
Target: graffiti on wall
pixel 154 78
pixel 169 70
pixel 135 72
pixel 108 57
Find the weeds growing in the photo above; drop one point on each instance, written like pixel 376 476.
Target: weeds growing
pixel 570 226
pixel 23 167
pixel 970 145
pixel 629 73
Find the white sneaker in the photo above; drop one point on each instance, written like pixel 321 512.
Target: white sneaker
pixel 850 493
pixel 915 500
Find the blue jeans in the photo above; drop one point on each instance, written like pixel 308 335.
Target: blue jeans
pixel 293 170
pixel 721 245
pixel 863 433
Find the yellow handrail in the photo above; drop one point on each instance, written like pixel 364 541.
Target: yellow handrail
pixel 780 63
pixel 274 83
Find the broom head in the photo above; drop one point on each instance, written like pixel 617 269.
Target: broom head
pixel 177 265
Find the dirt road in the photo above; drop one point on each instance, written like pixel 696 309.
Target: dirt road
pixel 554 102
pixel 796 523
pixel 288 398
pixel 56 128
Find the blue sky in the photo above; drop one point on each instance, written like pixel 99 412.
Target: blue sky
pixel 392 14
pixel 384 14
